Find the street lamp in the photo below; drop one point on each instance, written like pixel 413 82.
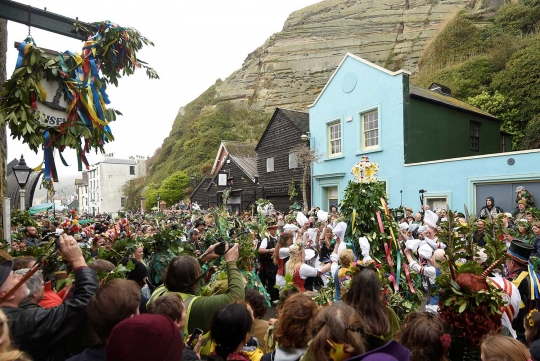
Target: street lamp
pixel 142 204
pixel 22 173
pixel 158 199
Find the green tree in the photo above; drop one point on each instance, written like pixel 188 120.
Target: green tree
pixel 172 189
pixel 531 139
pixel 504 109
pixel 517 18
pixel 151 197
pixel 519 82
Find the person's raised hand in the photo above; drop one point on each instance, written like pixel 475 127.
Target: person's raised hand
pixel 232 254
pixel 70 251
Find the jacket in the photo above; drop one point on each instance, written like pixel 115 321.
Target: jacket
pixel 44 333
pixel 91 354
pixel 203 308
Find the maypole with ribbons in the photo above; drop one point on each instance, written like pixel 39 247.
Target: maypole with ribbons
pixel 365 208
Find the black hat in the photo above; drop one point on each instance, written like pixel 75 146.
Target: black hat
pixel 534 349
pixel 5 270
pixel 138 273
pixel 520 251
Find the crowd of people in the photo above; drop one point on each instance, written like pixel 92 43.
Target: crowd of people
pixel 88 308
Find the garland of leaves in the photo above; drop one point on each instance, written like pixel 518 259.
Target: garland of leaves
pixel 110 51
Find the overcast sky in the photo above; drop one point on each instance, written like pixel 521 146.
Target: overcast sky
pixel 196 42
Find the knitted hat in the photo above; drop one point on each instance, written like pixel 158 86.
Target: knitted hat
pixel 145 337
pixel 522 201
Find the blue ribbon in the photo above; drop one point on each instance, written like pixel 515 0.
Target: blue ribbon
pixel 337 295
pixel 517 256
pixel 534 280
pixel 351 244
pixel 47 155
pixel 63 160
pixel 20 57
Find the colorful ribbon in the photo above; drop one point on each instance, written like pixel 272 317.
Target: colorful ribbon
pixel 379 220
pixel 534 283
pixel 408 276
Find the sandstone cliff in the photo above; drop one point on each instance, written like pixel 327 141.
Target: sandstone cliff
pixel 292 66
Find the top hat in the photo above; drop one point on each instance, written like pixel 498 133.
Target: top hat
pixel 520 251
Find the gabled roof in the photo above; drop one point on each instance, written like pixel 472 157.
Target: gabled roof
pixel 205 181
pixel 435 97
pixel 247 165
pixel 299 118
pixel 118 161
pixel 239 149
pixel 364 61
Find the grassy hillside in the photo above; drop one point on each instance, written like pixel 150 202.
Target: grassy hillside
pixel 494 66
pixel 491 63
pixel 194 140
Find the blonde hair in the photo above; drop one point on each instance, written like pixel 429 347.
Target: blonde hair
pixel 346 257
pixel 296 258
pixel 7 353
pixel 504 348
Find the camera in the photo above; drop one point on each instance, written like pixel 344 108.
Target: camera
pixel 422 191
pixel 220 248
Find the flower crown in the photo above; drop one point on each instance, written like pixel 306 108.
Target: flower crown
pixel 530 317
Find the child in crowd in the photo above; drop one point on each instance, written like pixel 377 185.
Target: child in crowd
pixel 423 333
pixel 532 326
pixel 346 258
pixel 171 305
pixel 498 347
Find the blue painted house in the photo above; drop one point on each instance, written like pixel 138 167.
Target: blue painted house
pixel 423 139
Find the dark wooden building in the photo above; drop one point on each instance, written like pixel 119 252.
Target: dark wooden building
pixel 199 194
pixel 276 164
pixel 236 174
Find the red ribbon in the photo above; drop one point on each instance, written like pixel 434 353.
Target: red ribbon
pixel 388 258
pixel 379 220
pixel 408 275
pixel 392 279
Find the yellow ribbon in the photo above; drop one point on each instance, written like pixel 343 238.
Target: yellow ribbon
pixel 38 168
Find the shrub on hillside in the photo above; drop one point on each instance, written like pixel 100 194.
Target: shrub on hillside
pixel 519 82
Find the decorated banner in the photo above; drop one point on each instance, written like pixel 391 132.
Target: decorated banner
pixel 54 102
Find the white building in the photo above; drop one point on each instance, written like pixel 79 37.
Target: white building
pixel 82 193
pixel 106 179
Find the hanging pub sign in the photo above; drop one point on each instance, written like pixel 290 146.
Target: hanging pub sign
pixel 54 102
pixel 54 107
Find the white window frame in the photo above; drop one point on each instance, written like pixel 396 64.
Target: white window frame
pixel 269 165
pixel 330 139
pixel 430 199
pixel 330 197
pixel 364 131
pixel 293 161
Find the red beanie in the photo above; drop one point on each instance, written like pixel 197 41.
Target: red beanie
pixel 145 337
